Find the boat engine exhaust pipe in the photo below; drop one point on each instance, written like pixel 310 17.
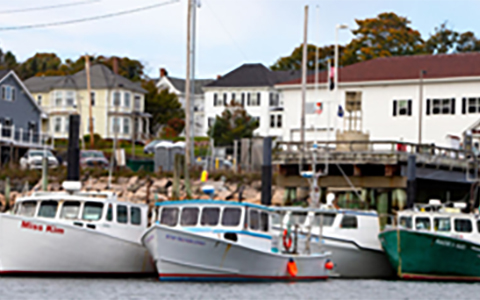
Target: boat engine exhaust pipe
pixel 73 153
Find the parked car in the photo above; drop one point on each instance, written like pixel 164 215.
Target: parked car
pixel 33 159
pixel 93 158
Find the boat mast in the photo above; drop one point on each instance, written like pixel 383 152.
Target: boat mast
pixel 188 102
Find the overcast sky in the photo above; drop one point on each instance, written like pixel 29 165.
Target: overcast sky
pixel 229 32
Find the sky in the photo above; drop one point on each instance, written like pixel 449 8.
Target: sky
pixel 229 32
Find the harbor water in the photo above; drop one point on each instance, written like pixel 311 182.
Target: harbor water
pixel 150 288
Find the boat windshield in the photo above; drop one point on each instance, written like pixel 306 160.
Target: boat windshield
pixel 422 223
pixel 189 216
pixel 325 218
pixel 70 210
pixel 442 224
pixel 210 216
pixel 92 211
pixel 231 216
pixel 169 216
pixel 48 209
pixel 27 208
pixel 463 225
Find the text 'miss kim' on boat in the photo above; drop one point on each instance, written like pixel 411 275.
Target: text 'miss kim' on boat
pixel 434 242
pixel 74 232
pixel 208 240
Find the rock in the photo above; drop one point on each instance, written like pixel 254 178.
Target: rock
pixel 2 200
pixel 257 185
pixel 132 181
pixel 278 196
pixel 222 195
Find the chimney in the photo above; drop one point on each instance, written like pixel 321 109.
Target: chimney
pixel 115 65
pixel 219 76
pixel 163 72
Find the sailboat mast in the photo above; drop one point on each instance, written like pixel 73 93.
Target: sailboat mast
pixel 187 102
pixel 304 78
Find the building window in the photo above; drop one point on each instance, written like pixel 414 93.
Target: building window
pixel 243 99
pixel 442 106
pixel 211 121
pixel 92 98
pixel 275 121
pixel 57 124
pixel 70 98
pixel 116 98
pixel 473 105
pixel 67 123
pixel 402 107
pixel 138 103
pixel 215 99
pixel 126 125
pixel 115 124
pixel 58 98
pixel 272 121
pixel 225 95
pixel 8 93
pixel 233 97
pixel 274 99
pixel 39 100
pixel 253 99
pixel 279 121
pixel 126 100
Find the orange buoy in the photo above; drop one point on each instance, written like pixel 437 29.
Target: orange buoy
pixel 292 268
pixel 329 265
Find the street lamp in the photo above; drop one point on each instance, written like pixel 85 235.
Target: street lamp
pixel 335 72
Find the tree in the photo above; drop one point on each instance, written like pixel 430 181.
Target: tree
pixel 294 60
pixel 383 36
pixel 39 64
pixel 467 42
pixel 233 124
pixel 443 40
pixel 8 61
pixel 163 106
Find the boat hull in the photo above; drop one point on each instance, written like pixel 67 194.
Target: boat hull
pixel 353 261
pixel 36 246
pixel 429 256
pixel 186 256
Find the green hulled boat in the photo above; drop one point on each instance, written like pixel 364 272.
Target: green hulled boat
pixel 438 245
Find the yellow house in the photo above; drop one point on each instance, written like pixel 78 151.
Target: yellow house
pixel 118 104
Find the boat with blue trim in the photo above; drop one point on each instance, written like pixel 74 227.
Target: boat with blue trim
pixel 206 240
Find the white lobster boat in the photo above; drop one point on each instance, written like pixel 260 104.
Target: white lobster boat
pixel 350 235
pixel 209 240
pixel 74 233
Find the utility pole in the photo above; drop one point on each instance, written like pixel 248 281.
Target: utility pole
pixel 304 78
pixel 188 102
pixel 89 97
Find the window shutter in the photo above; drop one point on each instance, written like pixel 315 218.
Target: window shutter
pixel 248 99
pixel 453 106
pixel 3 92
pixel 464 105
pixel 13 94
pixel 258 99
pixel 394 108
pixel 409 112
pixel 428 107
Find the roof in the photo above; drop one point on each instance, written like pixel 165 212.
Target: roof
pixel 4 74
pixel 211 202
pixel 253 75
pixel 406 67
pixel 100 77
pixel 179 84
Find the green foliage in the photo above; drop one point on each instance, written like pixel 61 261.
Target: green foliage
pixel 163 106
pixel 443 40
pixel 294 60
pixel 234 123
pixel 40 64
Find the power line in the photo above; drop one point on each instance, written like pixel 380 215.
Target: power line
pixel 228 33
pixel 87 19
pixel 47 7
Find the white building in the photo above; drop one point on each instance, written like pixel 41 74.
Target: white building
pixel 177 86
pixel 252 86
pixel 390 89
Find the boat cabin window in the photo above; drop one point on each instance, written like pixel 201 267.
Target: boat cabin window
pixel 122 214
pixel 422 223
pixel 462 225
pixel 442 224
pixel 264 221
pixel 189 216
pixel 231 216
pixel 27 208
pixel 349 222
pixel 253 219
pixel 92 211
pixel 70 210
pixel 328 219
pixel 169 216
pixel 135 216
pixel 406 222
pixel 48 209
pixel 210 216
pixel 110 213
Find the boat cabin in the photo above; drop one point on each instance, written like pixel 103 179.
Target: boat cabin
pixel 99 211
pixel 243 223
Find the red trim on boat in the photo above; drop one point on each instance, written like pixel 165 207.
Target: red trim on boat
pixel 187 275
pixel 438 277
